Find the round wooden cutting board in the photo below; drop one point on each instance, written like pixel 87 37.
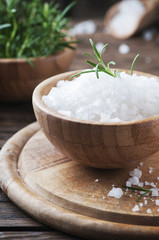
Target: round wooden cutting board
pixel 72 198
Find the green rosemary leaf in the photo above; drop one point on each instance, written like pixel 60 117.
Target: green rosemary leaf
pixel 139 189
pixel 111 62
pixel 142 195
pixel 82 73
pixel 95 49
pixel 132 66
pixel 90 55
pixel 103 49
pixel 91 63
pixel 96 70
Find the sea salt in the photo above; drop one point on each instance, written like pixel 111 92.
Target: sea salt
pixel 149 210
pixel 100 46
pixel 97 180
pixel 116 193
pixel 136 172
pixel 149 34
pixel 135 208
pixel 84 27
pixel 124 49
pixel 141 204
pixel 124 22
pixel 157 202
pixel 106 99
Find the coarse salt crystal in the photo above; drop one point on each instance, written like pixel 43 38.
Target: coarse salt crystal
pixel 147 183
pixel 153 185
pixel 115 192
pixel 148 60
pixel 124 49
pixel 141 204
pixel 154 192
pixel 84 27
pixel 89 98
pixel 158 210
pixel 140 184
pixel 145 202
pixel 124 22
pixel 136 172
pixel 149 210
pixel 148 34
pixel 157 178
pixel 134 180
pixel 157 202
pixel 135 208
pixel 100 46
pixel 128 183
pixel 141 163
pixel 97 180
pixel 150 171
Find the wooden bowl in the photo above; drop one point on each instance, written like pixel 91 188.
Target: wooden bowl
pixel 18 78
pixel 93 143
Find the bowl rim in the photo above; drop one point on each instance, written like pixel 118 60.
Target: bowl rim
pixel 37 100
pixel 33 59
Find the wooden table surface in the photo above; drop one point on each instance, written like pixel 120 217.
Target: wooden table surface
pixel 14 223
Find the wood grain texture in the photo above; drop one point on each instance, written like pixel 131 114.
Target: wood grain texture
pixel 18 78
pixel 60 192
pixel 92 143
pixel 150 16
pixel 15 116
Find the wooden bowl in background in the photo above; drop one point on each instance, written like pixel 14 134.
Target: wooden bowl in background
pixel 18 78
pixel 93 143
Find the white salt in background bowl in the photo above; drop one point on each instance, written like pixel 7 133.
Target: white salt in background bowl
pixel 112 126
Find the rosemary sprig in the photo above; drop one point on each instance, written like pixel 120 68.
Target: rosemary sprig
pixel 145 190
pixel 132 66
pixel 100 66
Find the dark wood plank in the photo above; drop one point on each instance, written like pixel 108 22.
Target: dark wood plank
pixel 14 223
pixel 30 235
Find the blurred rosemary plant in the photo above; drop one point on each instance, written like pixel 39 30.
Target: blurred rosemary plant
pixel 32 29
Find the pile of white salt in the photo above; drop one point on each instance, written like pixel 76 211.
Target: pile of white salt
pixel 124 22
pixel 106 99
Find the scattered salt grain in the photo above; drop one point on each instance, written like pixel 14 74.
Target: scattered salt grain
pixel 141 204
pixel 130 195
pixel 103 197
pixel 100 46
pixel 84 27
pixel 149 210
pixel 158 210
pixel 115 192
pixel 124 49
pixel 141 164
pixel 150 171
pixel 124 22
pixel 134 180
pixel 148 34
pixel 157 178
pixel 135 208
pixel 136 172
pixel 153 185
pixel 145 202
pixel 140 184
pixel 97 180
pixel 128 183
pixel 89 98
pixel 148 60
pixel 157 202
pixel 154 192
